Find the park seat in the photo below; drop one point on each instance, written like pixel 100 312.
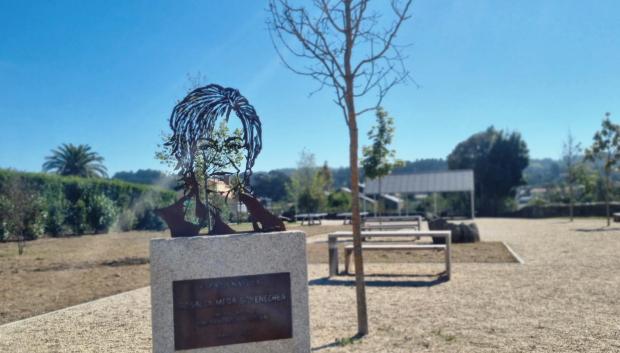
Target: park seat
pixel 348 250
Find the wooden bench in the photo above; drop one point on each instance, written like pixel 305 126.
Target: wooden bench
pixel 332 242
pixel 348 250
pixel 391 226
pixel 411 218
pixel 394 222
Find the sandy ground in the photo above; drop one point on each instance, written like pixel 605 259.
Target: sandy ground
pixel 565 298
pixel 55 273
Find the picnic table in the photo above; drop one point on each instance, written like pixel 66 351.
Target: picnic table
pixel 310 218
pixel 346 216
pixel 332 242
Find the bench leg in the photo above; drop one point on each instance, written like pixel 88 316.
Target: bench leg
pixel 448 257
pixel 333 257
pixel 347 259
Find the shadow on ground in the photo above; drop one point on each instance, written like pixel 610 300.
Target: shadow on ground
pixel 339 343
pixel 435 280
pixel 594 230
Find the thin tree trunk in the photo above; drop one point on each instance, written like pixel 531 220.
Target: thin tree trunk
pixel 20 244
pixel 607 190
pixel 571 200
pixel 380 208
pixel 360 286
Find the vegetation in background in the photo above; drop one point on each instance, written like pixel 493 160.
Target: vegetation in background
pixel 606 147
pixel 80 160
pixel 147 177
pixel 270 184
pixel 570 156
pixel 57 205
pixel 378 159
pixel 498 159
pixel 307 185
pixel 339 201
pixel 216 157
pixel 22 215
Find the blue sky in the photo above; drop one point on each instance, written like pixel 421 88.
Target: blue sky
pixel 107 73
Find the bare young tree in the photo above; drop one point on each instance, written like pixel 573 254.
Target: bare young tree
pixel 21 211
pixel 346 46
pixel 570 155
pixel 606 147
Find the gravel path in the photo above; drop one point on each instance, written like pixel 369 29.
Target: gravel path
pixel 565 298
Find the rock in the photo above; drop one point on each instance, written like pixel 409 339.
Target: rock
pixel 461 233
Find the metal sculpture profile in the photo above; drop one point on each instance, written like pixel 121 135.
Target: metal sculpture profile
pixel 200 156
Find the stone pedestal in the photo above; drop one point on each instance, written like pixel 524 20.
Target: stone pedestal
pixel 230 293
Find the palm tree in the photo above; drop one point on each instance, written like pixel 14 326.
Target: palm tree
pixel 79 160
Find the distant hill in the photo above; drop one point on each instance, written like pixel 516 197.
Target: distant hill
pixel 540 172
pixel 148 177
pixel 543 172
pixel 341 176
pixel 423 165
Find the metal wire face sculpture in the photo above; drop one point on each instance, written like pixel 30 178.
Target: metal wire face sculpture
pixel 202 155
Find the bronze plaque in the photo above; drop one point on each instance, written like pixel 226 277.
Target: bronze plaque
pixel 228 310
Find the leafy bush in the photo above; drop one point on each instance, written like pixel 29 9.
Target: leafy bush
pixel 22 211
pixel 101 213
pixel 218 201
pixel 126 221
pixel 76 217
pixel 78 205
pixel 56 213
pixel 4 204
pixel 34 220
pixel 339 201
pixel 146 219
pixel 308 201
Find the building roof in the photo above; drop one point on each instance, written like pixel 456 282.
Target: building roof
pixel 362 196
pixel 392 198
pixel 417 183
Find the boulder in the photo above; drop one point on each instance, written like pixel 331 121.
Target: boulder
pixel 461 233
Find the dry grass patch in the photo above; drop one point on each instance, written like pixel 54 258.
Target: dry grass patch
pixel 55 273
pixel 483 252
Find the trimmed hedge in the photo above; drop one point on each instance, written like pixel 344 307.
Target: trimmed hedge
pixel 75 205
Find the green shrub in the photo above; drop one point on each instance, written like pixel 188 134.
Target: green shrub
pixel 148 220
pixel 101 213
pixel 56 213
pixel 339 201
pixel 76 217
pixel 22 211
pixel 34 220
pixel 126 221
pixel 308 201
pixel 67 203
pixel 3 216
pixel 218 201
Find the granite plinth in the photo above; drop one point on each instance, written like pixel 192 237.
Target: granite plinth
pixel 230 293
